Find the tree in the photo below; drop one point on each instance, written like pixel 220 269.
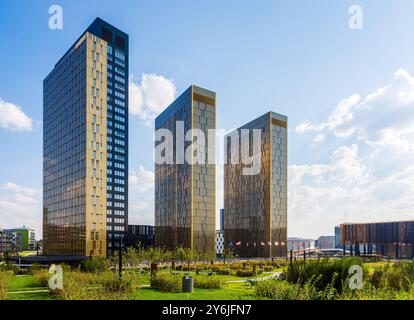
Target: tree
pixel 228 253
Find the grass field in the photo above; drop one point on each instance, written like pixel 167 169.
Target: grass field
pixel 25 288
pixel 232 291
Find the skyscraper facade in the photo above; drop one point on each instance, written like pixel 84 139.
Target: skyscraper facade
pixel 85 145
pixel 255 206
pixel 185 191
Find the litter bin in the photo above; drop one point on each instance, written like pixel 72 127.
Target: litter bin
pixel 188 284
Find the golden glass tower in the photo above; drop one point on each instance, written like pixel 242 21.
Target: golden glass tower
pixel 85 146
pixel 185 193
pixel 255 206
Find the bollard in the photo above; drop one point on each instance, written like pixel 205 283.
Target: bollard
pixel 154 268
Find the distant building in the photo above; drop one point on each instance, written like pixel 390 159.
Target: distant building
pixel 326 242
pixel 221 219
pixel 338 237
pixel 219 242
pixel 5 242
pixel 392 239
pixel 140 235
pixel 300 243
pixel 22 238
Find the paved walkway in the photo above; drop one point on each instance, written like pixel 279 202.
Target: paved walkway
pixel 27 291
pixel 271 276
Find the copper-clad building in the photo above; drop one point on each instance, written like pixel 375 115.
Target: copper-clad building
pixel 391 239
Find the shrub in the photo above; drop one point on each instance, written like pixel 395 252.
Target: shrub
pixel 41 277
pixel 89 286
pixel 111 282
pixel 208 282
pixel 236 265
pixel 34 269
pixel 166 282
pixel 223 270
pixel 78 286
pixel 6 278
pixel 283 290
pixel 95 265
pixel 248 272
pixel 268 268
pixel 12 268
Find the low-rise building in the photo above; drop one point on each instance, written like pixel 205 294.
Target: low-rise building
pixel 5 242
pixel 326 242
pixel 300 243
pixel 393 239
pixel 140 235
pixel 22 238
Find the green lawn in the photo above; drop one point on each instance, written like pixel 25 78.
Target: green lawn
pixel 21 288
pixel 232 291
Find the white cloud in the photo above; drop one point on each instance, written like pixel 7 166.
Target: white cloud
pixel 151 96
pixel 141 196
pixel 383 118
pixel 142 181
pixel 319 138
pixel 13 118
pixel 20 206
pixel 371 178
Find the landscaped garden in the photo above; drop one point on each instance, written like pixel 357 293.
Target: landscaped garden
pixel 157 275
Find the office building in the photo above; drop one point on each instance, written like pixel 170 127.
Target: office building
pixel 219 242
pixel 338 237
pixel 391 239
pixel 300 244
pixel 326 242
pixel 85 146
pixel 255 205
pixel 185 209
pixel 22 238
pixel 140 236
pixel 5 242
pixel 221 227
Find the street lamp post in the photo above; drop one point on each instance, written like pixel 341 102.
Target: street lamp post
pixel 120 257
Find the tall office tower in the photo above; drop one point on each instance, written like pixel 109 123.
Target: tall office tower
pixel 185 190
pixel 85 145
pixel 255 205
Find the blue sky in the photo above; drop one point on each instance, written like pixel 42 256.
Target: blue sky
pixel 348 161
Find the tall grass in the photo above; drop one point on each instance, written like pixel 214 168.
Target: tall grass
pixel 322 272
pixel 6 278
pixel 396 276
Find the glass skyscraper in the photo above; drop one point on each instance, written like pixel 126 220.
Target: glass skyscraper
pixel 185 193
pixel 255 206
pixel 85 145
